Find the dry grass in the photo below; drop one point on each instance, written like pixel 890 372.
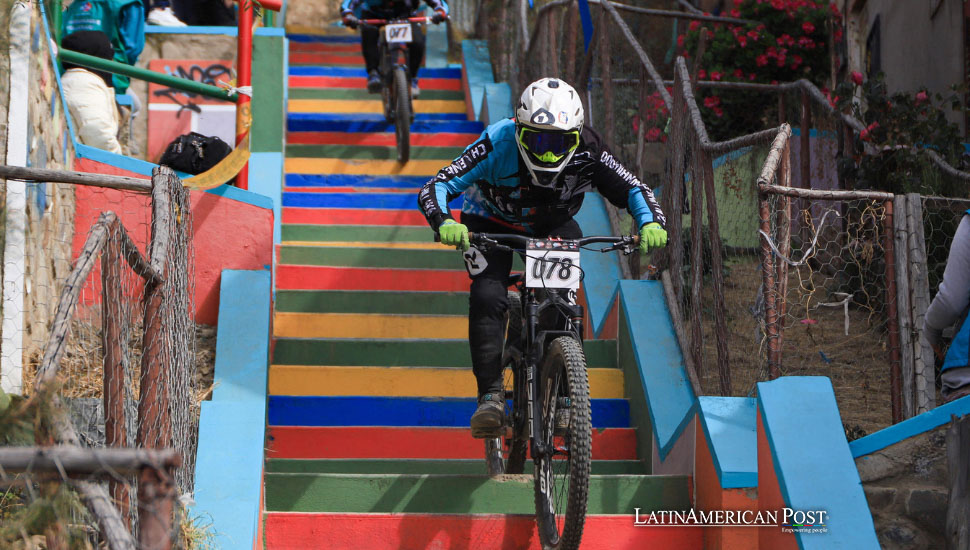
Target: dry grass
pixel 857 363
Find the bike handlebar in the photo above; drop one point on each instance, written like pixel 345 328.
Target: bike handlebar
pixel 521 241
pixel 382 22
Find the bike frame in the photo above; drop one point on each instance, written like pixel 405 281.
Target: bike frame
pixel 527 362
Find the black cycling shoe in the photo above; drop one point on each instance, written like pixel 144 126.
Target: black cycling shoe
pixel 374 82
pixel 489 418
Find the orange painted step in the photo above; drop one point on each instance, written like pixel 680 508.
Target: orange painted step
pixel 301 277
pixel 384 139
pixel 292 531
pixel 414 442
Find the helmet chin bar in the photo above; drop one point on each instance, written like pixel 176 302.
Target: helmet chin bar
pixel 553 175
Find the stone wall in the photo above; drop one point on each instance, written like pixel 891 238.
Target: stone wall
pixel 906 486
pixel 50 207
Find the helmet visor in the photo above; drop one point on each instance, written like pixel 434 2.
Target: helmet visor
pixel 548 147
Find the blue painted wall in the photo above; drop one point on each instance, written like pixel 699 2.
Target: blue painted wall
pixel 232 427
pixel 812 461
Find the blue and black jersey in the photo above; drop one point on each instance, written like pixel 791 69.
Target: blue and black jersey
pixel 496 184
pixel 389 9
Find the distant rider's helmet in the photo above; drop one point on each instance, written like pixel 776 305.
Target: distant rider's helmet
pixel 548 121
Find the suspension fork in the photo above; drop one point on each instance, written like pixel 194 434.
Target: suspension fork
pixel 532 358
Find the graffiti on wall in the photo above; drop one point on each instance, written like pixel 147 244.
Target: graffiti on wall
pixel 173 112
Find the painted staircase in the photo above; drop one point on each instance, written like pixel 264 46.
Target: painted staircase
pixel 370 384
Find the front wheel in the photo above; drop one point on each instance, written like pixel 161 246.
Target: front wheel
pixel 402 114
pixel 562 476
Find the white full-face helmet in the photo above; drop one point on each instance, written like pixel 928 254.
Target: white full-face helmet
pixel 548 121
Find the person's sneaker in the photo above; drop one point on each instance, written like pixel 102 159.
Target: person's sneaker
pixel 489 418
pixel 373 82
pixel 415 91
pixel 164 17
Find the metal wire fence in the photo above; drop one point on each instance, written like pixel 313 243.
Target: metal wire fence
pixel 120 353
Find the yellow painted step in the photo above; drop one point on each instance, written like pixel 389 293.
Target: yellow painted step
pixel 353 244
pixel 405 381
pixel 303 165
pixel 372 106
pixel 368 325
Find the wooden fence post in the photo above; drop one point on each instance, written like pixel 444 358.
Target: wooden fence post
pixel 717 276
pixel 958 463
pixel 903 304
pixel 919 290
pixel 696 251
pixel 895 376
pixel 606 74
pixel 115 343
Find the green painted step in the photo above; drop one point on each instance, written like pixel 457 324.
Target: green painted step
pixel 403 353
pixel 377 301
pixel 363 94
pixel 461 494
pixel 371 152
pixel 372 257
pixel 362 233
pixel 390 466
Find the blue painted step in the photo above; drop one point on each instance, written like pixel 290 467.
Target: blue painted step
pixel 310 122
pixel 444 72
pixel 335 39
pixel 347 180
pixel 289 410
pixel 392 201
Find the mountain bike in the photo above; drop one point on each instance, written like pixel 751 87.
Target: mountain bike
pixel 546 383
pixel 396 79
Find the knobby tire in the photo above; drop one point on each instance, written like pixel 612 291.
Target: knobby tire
pixel 402 120
pixel 562 480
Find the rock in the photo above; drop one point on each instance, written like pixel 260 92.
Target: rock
pixel 880 497
pixel 928 508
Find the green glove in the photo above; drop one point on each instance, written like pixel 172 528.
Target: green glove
pixel 455 234
pixel 652 236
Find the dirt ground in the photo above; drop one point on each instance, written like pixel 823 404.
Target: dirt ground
pixel 814 344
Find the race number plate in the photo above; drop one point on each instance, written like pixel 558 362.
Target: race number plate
pixel 397 33
pixel 552 264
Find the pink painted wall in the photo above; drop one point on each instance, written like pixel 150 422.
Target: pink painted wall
pixel 229 234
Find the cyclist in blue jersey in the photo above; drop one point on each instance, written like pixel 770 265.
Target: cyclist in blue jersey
pixel 526 175
pixel 352 11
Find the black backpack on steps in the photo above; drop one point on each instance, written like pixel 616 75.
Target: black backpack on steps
pixel 194 153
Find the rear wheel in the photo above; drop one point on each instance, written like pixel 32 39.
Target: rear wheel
pixel 506 455
pixel 562 477
pixel 402 118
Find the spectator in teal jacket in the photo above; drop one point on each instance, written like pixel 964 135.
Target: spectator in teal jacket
pixel 122 20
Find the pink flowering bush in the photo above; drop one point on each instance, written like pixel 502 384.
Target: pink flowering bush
pixel 789 41
pixel 897 126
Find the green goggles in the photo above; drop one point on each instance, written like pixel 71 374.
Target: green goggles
pixel 546 146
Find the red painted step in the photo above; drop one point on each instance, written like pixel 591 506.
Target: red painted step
pixel 411 190
pixel 286 531
pixel 322 58
pixel 301 277
pixel 385 139
pixel 414 442
pixel 301 81
pixel 352 216
pixel 325 47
